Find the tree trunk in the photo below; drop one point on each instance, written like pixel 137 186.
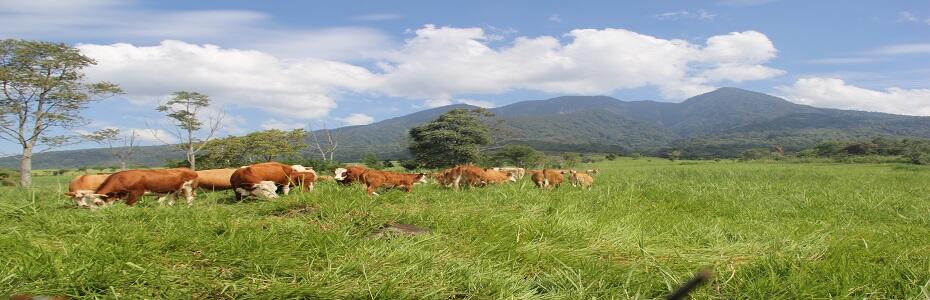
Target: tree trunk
pixel 122 165
pixel 192 159
pixel 25 168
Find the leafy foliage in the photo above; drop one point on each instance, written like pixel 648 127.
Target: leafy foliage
pixel 43 88
pixel 456 137
pixel 518 155
pixel 184 111
pixel 260 146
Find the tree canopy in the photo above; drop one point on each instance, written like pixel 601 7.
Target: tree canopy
pixel 455 137
pixel 42 89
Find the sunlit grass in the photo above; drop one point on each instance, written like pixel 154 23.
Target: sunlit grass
pixel 768 231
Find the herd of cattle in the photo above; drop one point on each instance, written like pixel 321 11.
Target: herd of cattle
pixel 264 180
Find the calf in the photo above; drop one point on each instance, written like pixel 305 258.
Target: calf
pixel 583 180
pixel 492 176
pixel 132 184
pixel 349 174
pixel 374 179
pixel 216 180
pixel 547 179
pixel 81 189
pixel 263 179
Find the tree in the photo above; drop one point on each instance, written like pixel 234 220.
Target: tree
pixel 184 112
pixel 456 137
pixel 43 89
pixel 112 138
pixel 327 150
pixel 260 146
pixel 518 155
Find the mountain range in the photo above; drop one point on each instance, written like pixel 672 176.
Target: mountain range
pixel 721 123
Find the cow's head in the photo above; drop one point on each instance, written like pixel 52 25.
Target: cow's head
pixel 83 197
pixel 511 176
pixel 264 189
pixel 340 174
pixel 420 178
pixel 302 169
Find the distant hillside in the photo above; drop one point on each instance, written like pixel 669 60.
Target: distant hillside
pixel 724 122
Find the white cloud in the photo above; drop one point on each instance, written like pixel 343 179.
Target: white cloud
pixel 435 66
pixel 441 62
pixel 836 93
pixel 478 103
pixel 358 119
pixel 699 14
pixel 555 18
pixel 903 49
pixel 281 125
pixel 375 17
pixel 298 89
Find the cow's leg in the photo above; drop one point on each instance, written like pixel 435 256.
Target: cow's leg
pixel 238 195
pixel 161 200
pixel 133 196
pixel 456 182
pixel 286 188
pixel 188 189
pixel 371 189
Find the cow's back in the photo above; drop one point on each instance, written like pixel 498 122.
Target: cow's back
pixel 155 181
pixel 88 182
pixel 217 179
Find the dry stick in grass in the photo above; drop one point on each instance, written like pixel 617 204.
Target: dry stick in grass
pixel 687 287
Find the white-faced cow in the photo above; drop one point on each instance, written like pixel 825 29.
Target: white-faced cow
pixel 82 188
pixel 262 180
pixel 132 184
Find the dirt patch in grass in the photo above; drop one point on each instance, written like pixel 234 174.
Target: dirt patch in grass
pixel 398 229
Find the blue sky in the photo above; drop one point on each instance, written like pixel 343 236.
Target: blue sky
pixel 287 64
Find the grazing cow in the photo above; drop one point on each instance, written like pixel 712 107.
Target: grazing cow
pixel 263 179
pixel 82 188
pixel 375 179
pixel 594 171
pixel 583 180
pixel 215 180
pixel 517 172
pixel 492 176
pixel 132 184
pixel 547 179
pixel 349 174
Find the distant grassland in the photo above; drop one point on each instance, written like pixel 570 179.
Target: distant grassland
pixel 768 230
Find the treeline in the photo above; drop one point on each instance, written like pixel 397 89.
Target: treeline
pixel 879 149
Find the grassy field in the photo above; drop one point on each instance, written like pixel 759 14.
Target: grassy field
pixel 768 230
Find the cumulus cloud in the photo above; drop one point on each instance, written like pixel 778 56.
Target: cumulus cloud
pixel 297 89
pixel 836 93
pixel 436 65
pixel 358 119
pixel 441 62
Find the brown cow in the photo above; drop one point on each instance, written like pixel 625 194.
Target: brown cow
pixel 215 180
pixel 133 184
pixel 517 172
pixel 584 180
pixel 81 189
pixel 472 176
pixel 375 179
pixel 263 179
pixel 349 174
pixel 547 179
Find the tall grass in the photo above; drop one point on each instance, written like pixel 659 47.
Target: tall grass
pixel 767 230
